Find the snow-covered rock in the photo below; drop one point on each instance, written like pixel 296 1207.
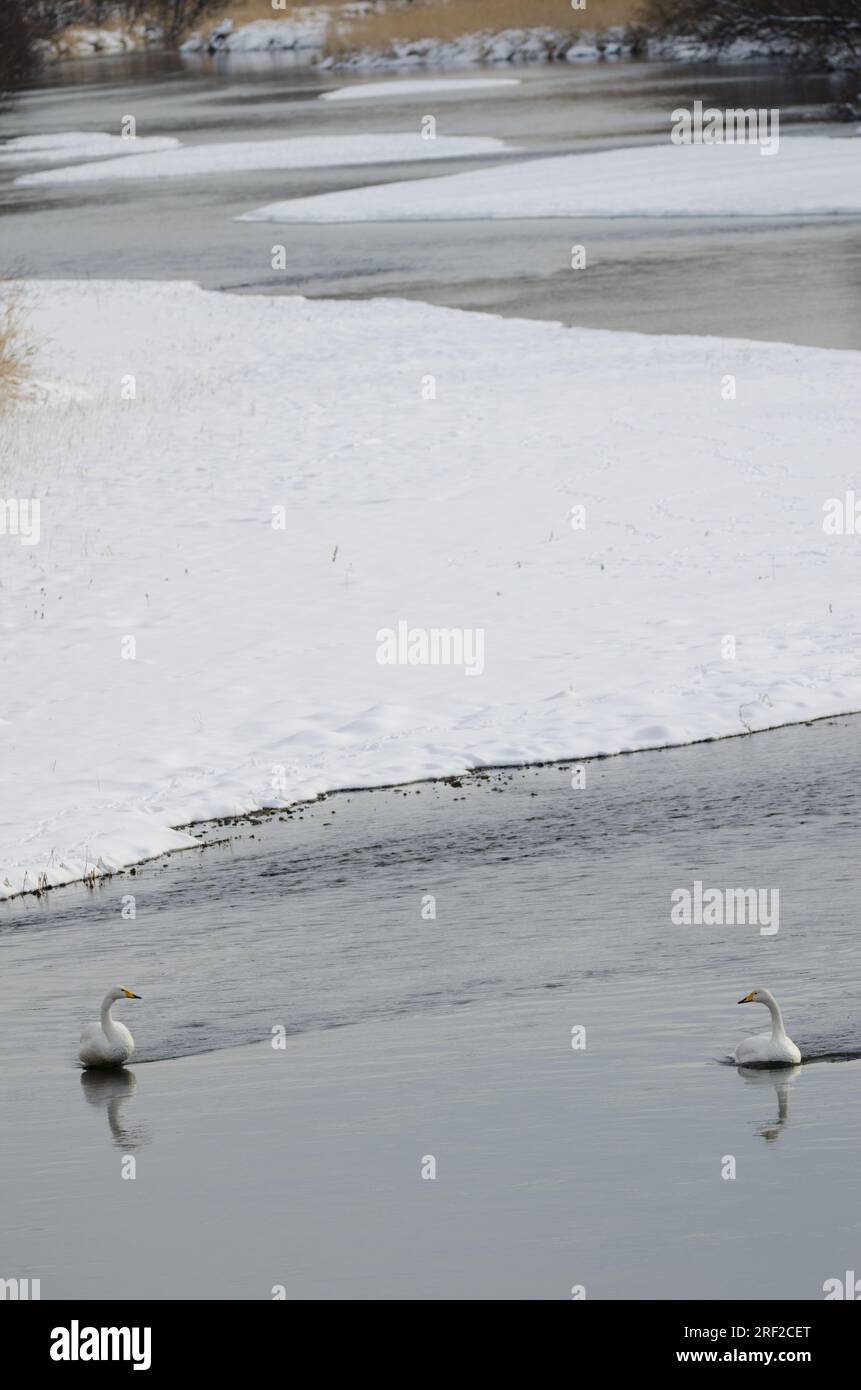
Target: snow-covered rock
pixel 306 29
pixel 535 45
pixel 81 42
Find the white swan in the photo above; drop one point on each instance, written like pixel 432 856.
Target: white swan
pixel 107 1044
pixel 773 1049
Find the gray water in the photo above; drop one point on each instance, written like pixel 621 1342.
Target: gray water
pixel 787 279
pixel 408 1038
pixel 404 1037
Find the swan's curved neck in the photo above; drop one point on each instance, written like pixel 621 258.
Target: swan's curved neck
pixel 777 1028
pixel 106 1016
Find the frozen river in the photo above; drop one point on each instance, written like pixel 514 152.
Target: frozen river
pixel 788 279
pixel 412 1037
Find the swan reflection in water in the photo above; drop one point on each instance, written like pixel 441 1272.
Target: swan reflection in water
pixel 112 1090
pixel 780 1079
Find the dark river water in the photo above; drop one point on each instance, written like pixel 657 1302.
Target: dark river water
pixel 410 1036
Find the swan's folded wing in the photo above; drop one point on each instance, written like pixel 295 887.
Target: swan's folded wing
pixel 753 1049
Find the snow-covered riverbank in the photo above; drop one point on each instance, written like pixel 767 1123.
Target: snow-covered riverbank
pixel 310 32
pixel 314 36
pixel 238 494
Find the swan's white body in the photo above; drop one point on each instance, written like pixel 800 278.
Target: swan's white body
pixel 107 1043
pixel 774 1049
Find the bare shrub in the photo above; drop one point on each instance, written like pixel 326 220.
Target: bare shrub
pixel 813 28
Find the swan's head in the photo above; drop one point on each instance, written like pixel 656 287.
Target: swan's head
pixel 119 993
pixel 758 996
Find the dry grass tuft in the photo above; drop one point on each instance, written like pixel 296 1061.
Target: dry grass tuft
pixel 16 349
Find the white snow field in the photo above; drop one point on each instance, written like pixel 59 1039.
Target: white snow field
pixel 429 463
pixel 80 144
pixel 418 87
pixel 299 152
pixel 812 174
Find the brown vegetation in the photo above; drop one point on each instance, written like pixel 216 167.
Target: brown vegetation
pixel 451 19
pixel 16 351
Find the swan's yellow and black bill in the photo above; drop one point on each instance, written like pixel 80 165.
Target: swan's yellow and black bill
pixel 129 995
pixel 748 998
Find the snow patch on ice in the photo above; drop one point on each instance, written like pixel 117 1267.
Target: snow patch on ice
pixel 80 144
pixel 418 87
pixel 299 152
pixel 808 175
